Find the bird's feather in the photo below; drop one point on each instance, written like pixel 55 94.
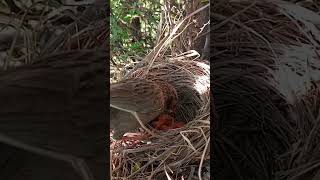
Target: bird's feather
pixel 137 95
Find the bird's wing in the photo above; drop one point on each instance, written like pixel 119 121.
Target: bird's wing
pixel 56 101
pixel 138 95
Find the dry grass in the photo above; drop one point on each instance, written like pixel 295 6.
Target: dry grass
pixel 183 152
pixel 42 29
pixel 266 61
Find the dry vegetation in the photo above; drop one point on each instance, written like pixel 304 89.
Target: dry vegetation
pixel 184 152
pixel 264 52
pixel 31 29
pixel 266 77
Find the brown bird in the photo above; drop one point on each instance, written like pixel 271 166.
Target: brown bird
pixel 56 107
pixel 139 99
pixel 168 96
pixel 190 80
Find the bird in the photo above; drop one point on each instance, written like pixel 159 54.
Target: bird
pixel 166 97
pixel 190 79
pixel 57 107
pixel 166 122
pixel 145 98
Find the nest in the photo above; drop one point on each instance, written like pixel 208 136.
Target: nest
pixel 263 90
pixel 182 152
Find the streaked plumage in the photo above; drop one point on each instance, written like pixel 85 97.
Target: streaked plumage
pixel 147 98
pixel 167 88
pixel 58 105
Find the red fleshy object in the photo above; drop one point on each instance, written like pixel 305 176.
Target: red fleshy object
pixel 166 122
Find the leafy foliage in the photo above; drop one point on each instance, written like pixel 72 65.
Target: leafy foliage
pixel 133 28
